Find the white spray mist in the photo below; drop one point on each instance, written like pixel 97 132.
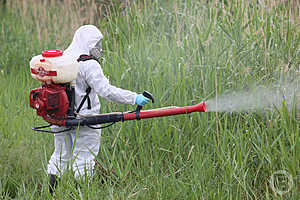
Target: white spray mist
pixel 259 98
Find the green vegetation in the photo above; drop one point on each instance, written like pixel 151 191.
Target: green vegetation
pixel 183 52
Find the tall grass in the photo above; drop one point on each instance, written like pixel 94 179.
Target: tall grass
pixel 183 52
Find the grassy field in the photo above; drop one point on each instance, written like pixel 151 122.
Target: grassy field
pixel 183 52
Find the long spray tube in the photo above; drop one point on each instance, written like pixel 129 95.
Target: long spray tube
pixel 201 107
pixel 116 117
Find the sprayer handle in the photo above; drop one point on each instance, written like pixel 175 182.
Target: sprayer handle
pixel 149 96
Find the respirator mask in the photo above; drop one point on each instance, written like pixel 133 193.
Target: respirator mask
pixel 96 51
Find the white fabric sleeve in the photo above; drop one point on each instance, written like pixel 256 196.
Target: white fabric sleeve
pixel 96 80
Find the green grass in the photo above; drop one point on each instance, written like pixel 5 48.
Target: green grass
pixel 183 52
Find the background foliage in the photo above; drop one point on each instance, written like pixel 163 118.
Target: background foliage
pixel 183 52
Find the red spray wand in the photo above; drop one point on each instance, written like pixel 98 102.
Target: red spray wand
pixel 168 111
pixel 137 114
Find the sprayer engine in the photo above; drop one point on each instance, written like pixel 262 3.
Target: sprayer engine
pixel 51 102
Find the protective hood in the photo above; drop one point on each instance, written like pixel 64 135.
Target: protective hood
pixel 85 38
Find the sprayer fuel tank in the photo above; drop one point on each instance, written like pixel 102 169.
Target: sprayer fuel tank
pixel 53 66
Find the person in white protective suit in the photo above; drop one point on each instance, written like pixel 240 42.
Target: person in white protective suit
pixel 82 146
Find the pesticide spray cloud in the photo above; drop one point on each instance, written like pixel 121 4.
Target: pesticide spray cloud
pixel 259 98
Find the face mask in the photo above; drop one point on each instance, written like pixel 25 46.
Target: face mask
pixel 96 51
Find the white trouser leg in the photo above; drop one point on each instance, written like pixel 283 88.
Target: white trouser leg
pixel 62 154
pixel 86 148
pixel 85 145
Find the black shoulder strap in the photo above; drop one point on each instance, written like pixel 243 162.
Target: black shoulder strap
pixel 85 57
pixel 88 90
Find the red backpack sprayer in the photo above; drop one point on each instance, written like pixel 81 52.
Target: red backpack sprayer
pixel 54 100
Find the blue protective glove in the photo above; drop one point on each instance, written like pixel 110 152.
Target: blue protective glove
pixel 141 100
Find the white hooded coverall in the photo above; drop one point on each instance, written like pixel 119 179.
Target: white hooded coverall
pixel 78 149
